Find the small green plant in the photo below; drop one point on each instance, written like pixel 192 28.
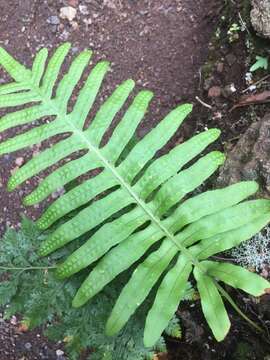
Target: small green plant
pixel 261 63
pixel 136 213
pixel 31 289
pixel 233 32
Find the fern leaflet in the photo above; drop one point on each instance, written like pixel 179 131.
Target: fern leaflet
pixel 144 209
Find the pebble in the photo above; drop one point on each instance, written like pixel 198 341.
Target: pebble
pixel 13 320
pixel 59 352
pixel 220 67
pixel 28 346
pixel 19 161
pixel 54 28
pixel 74 49
pixel 214 91
pixel 68 12
pixel 73 3
pixel 83 9
pixel 74 25
pixel 64 35
pixel 228 90
pixel 53 20
pixel 231 59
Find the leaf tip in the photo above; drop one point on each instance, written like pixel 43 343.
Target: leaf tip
pixel 42 224
pixel 110 329
pixel 215 132
pixel 11 185
pixel 27 201
pixel 77 301
pixel 44 51
pixel 188 107
pixel 66 45
pixel 148 341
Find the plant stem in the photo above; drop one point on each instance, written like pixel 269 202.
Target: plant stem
pixel 27 268
pixel 238 310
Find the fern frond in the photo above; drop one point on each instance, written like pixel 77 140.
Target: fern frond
pixel 136 201
pixel 173 329
pixel 212 305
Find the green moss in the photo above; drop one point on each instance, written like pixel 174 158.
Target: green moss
pixel 243 351
pixel 207 69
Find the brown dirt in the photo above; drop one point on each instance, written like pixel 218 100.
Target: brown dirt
pixel 160 44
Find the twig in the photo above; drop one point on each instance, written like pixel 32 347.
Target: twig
pixel 203 103
pixel 256 83
pixel 200 79
pixel 243 23
pixel 238 310
pixel 27 268
pixel 222 258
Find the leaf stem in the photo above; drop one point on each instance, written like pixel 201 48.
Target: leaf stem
pixel 27 268
pixel 238 310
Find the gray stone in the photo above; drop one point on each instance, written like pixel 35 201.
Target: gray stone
pixel 53 20
pixel 74 49
pixel 260 17
pixel 59 352
pixel 250 158
pixel 28 346
pixel 231 59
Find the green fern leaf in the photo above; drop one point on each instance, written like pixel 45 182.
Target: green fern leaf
pixel 169 295
pixel 237 277
pixel 212 305
pixel 136 201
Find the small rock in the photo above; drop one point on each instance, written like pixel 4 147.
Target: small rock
pixel 74 49
pixel 220 67
pixel 228 90
pixel 231 59
pixel 53 20
pixel 68 12
pixel 28 346
pixel 73 3
pixel 64 35
pixel 249 78
pixel 13 320
pixel 59 352
pixel 19 161
pixel 87 22
pixel 83 9
pixel 214 91
pixel 143 12
pixel 54 28
pixel 75 25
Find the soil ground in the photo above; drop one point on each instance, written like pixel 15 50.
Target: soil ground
pixel 163 46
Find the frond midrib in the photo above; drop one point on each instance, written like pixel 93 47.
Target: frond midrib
pixel 81 134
